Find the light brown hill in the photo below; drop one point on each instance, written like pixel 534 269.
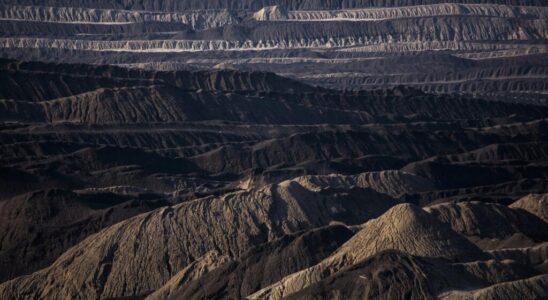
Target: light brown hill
pixel 139 255
pixel 404 227
pixel 537 204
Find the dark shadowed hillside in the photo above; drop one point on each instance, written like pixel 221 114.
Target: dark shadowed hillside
pixel 273 149
pixel 200 156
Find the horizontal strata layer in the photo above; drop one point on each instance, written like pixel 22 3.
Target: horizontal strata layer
pixel 451 28
pixel 518 84
pixel 540 49
pixel 319 41
pixel 444 9
pixel 503 80
pixel 212 18
pixel 195 19
pixel 353 66
pixel 177 5
pixel 346 44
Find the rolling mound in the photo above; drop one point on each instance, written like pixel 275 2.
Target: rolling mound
pixel 484 166
pixel 167 176
pixel 165 241
pixel 536 256
pixel 410 229
pixel 203 265
pixel 39 226
pixel 42 92
pixel 491 225
pixel 396 275
pixel 530 288
pixel 535 204
pixel 404 227
pixel 393 183
pixel 263 265
pixel 387 275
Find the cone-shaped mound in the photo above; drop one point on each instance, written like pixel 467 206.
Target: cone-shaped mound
pixel 409 229
pixel 405 227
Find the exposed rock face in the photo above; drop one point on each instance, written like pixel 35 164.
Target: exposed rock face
pixel 73 15
pixel 483 166
pixel 417 11
pixel 24 81
pixel 126 96
pixel 537 204
pixel 486 273
pixel 501 152
pixel 255 5
pixel 399 35
pixel 271 13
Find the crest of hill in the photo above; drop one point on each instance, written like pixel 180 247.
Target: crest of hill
pixel 529 288
pixel 537 204
pixel 37 227
pixel 404 227
pixel 264 265
pixel 478 220
pixel 139 255
pixel 207 263
pixel 396 275
pixel 393 183
pixel 409 229
pixel 33 80
pixel 271 13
